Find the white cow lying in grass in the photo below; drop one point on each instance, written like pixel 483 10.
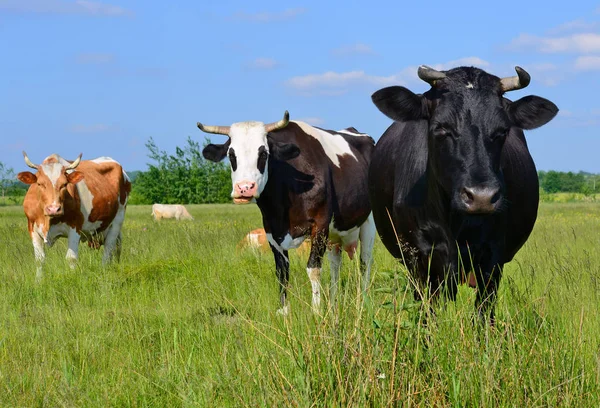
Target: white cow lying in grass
pixel 177 211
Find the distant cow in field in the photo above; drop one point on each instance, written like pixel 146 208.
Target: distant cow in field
pixel 307 182
pixel 452 184
pixel 83 200
pixel 257 240
pixel 177 211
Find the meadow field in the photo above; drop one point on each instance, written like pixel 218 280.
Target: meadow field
pixel 188 319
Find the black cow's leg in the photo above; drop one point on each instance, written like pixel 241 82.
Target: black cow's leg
pixel 313 268
pixel 282 266
pixel 488 280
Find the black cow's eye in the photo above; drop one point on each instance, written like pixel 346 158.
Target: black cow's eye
pixel 232 159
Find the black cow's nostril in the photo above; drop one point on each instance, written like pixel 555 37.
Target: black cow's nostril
pixel 467 195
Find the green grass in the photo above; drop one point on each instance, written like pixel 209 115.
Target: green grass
pixel 186 319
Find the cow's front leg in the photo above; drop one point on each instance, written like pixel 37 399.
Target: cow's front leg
pixel 488 280
pixel 313 268
pixel 367 242
pixel 73 250
pixel 282 267
pixel 38 250
pixel 335 261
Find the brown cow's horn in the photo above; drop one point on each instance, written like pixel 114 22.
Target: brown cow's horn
pixel 75 163
pixel 278 125
pixel 516 82
pixel 29 162
pixel 218 130
pixel 429 74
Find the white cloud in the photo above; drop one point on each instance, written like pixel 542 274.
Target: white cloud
pixel 263 63
pixel 587 63
pixel 95 128
pixel 77 7
pixel 575 43
pixel 312 121
pixel 269 17
pixel 575 25
pixel 353 49
pixel 337 83
pixel 94 58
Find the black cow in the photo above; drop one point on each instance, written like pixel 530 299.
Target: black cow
pixel 452 184
pixel 307 182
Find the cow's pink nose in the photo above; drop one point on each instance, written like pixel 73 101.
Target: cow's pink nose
pixel 53 209
pixel 245 189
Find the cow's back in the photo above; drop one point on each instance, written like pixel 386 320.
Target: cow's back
pixel 331 169
pixel 103 190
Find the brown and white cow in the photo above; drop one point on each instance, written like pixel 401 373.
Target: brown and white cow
pixel 83 200
pixel 164 211
pixel 307 182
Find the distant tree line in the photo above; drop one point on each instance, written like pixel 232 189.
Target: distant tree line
pixel 184 177
pixel 187 178
pixel 558 182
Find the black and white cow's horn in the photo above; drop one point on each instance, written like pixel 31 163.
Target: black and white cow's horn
pixel 515 82
pixel 280 124
pixel 217 130
pixel 29 162
pixel 75 163
pixel 429 74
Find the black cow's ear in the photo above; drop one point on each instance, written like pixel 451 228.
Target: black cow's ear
pixel 532 111
pixel 399 103
pixel 283 151
pixel 216 153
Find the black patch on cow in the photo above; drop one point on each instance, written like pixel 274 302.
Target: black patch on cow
pixel 216 152
pixel 232 159
pixel 283 151
pixel 263 156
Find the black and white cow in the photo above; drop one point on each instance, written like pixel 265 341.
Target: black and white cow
pixel 307 182
pixel 452 180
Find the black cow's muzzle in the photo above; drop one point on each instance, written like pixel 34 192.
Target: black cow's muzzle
pixel 480 200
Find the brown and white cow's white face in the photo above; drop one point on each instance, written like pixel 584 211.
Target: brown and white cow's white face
pixel 51 179
pixel 248 155
pixel 249 149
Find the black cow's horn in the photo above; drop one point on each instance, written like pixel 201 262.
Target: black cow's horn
pixel 75 163
pixel 29 162
pixel 217 130
pixel 278 125
pixel 516 82
pixel 430 75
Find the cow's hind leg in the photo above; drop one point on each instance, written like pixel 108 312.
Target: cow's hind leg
pixel 313 268
pixel 367 242
pixel 112 241
pixel 73 251
pixel 335 260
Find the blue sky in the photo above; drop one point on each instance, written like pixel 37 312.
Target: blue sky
pixel 103 77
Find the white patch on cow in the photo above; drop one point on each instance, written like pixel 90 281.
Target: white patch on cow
pixel 103 159
pixel 347 132
pixel 367 242
pixel 287 243
pixel 470 85
pixel 73 251
pixel 246 139
pixel 343 238
pixel 54 170
pixel 333 145
pixel 112 235
pixel 253 240
pixel 86 199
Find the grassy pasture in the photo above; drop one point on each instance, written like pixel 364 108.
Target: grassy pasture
pixel 187 319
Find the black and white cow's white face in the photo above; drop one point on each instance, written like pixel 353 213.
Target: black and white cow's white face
pixel 249 149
